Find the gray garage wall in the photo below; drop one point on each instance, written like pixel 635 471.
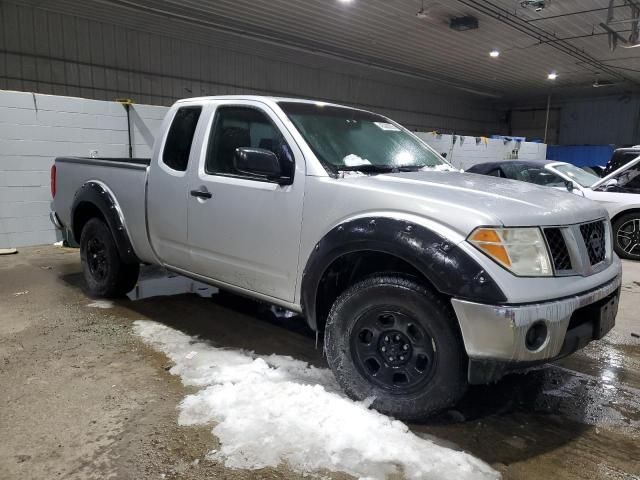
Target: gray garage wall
pixel 57 48
pixel 34 129
pixel 602 120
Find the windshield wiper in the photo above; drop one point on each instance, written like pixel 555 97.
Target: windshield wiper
pixel 410 168
pixel 370 168
pixel 367 168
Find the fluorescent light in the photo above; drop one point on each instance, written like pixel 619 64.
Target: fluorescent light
pixel 345 1
pixel 495 53
pixel 552 76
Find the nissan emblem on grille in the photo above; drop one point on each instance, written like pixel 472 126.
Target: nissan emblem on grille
pixel 593 235
pixel 595 243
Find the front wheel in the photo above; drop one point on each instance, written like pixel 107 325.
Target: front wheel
pixel 104 271
pixel 626 236
pixel 390 339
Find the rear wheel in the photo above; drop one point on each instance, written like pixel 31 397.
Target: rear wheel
pixel 626 236
pixel 390 339
pixel 104 271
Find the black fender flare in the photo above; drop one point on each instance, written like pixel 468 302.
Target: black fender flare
pixel 97 196
pixel 450 269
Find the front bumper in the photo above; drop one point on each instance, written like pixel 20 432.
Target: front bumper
pixel 498 332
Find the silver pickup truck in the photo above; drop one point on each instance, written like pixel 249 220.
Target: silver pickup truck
pixel 422 279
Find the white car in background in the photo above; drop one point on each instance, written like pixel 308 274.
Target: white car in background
pixel 618 192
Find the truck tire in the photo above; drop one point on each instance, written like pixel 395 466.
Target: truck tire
pixel 390 339
pixel 626 236
pixel 104 271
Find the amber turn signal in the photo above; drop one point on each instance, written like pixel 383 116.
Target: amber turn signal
pixel 488 240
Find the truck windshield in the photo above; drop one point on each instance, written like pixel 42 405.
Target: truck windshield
pixel 347 139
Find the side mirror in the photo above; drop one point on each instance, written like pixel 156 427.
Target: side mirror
pixel 611 183
pixel 260 163
pixel 570 186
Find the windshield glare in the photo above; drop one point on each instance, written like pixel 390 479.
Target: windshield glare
pixel 344 138
pixel 578 175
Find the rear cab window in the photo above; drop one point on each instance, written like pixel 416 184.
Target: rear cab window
pixel 177 147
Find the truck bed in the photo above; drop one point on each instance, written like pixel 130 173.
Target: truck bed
pixel 125 178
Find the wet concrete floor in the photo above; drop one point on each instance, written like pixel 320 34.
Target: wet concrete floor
pixel 62 361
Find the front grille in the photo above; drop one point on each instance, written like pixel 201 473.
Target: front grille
pixel 558 249
pixel 594 236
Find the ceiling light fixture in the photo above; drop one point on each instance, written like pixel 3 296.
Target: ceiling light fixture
pixel 552 75
pixel 537 5
pixel 495 53
pixel 345 1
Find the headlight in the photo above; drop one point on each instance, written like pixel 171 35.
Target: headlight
pixel 523 251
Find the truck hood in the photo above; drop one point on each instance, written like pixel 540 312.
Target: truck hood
pixel 482 199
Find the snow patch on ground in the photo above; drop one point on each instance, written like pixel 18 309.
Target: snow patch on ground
pixel 270 410
pixel 101 304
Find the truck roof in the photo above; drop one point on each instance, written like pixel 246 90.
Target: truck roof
pixel 263 98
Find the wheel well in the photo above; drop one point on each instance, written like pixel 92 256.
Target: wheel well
pixel 353 267
pixel 84 212
pixel 625 212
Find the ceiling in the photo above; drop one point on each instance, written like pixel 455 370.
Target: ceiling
pixel 565 37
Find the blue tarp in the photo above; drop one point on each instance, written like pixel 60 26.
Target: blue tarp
pixel 581 155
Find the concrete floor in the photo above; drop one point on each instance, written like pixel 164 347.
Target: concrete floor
pixel 81 397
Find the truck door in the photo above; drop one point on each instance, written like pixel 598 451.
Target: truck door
pixel 167 189
pixel 245 231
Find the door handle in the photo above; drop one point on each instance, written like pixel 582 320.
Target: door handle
pixel 201 194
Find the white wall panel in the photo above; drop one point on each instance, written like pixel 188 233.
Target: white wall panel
pixel 464 151
pixel 34 129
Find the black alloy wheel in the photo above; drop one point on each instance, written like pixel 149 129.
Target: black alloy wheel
pixel 626 232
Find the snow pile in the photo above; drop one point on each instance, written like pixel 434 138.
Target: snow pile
pixel 270 410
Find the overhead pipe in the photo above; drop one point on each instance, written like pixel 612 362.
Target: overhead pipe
pixel 127 103
pixel 546 122
pixel 512 20
pixel 570 14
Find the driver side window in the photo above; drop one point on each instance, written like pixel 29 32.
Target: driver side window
pixel 237 127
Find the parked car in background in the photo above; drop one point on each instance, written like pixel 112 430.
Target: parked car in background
pixel 620 158
pixel 618 192
pixel 423 279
